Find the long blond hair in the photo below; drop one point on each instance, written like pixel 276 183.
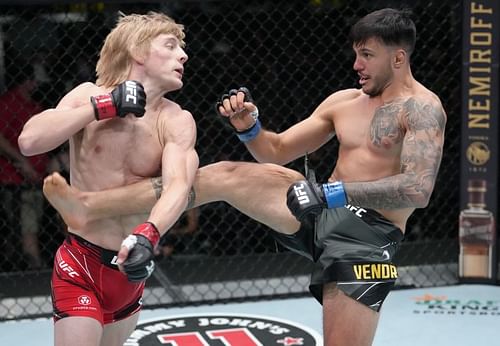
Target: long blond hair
pixel 130 37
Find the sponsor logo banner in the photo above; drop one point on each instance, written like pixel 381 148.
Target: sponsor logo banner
pixel 479 154
pixel 222 329
pixel 436 304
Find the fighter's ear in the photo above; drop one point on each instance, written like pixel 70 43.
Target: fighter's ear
pixel 399 59
pixel 138 55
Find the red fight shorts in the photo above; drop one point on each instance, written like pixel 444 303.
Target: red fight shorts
pixel 86 282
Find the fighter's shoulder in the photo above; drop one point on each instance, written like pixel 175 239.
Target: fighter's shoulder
pixel 424 94
pixel 423 106
pixel 171 110
pixel 173 118
pixel 344 95
pixel 427 98
pixel 86 88
pixel 337 100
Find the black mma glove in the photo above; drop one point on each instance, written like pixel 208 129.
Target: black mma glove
pixel 251 131
pixel 305 198
pixel 128 97
pixel 139 264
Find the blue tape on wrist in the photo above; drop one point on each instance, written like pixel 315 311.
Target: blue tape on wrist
pixel 335 194
pixel 251 133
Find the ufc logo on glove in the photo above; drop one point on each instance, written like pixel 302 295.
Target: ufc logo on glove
pixel 131 88
pixel 127 98
pixel 301 194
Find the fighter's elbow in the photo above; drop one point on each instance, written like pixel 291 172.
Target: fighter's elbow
pixel 36 142
pixel 421 199
pixel 418 190
pixel 26 144
pixel 413 196
pixel 422 202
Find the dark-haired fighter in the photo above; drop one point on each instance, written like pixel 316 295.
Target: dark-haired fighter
pixel 391 134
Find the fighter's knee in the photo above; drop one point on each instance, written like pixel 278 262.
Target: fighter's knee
pixel 228 170
pixel 282 174
pixel 294 176
pixel 227 166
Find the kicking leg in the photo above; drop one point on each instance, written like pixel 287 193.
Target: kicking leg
pixel 77 208
pixel 257 190
pixel 66 200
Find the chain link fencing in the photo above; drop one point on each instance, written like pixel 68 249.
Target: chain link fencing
pixel 291 54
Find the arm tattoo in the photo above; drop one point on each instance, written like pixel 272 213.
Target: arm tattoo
pixel 157 185
pixel 191 198
pixel 420 156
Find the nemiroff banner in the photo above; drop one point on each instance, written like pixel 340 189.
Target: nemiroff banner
pixel 479 156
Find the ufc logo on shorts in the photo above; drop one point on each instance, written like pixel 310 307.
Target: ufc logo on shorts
pixel 131 89
pixel 301 194
pixel 358 211
pixel 114 260
pixel 150 268
pixel 67 268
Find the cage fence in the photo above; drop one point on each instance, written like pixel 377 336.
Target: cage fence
pixel 291 54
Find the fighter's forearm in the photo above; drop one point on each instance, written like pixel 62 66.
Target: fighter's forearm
pixel 39 135
pixel 170 206
pixel 395 192
pixel 263 147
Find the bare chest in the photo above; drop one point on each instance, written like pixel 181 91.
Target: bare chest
pixel 129 146
pixel 377 129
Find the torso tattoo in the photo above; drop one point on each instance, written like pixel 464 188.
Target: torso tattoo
pixel 418 127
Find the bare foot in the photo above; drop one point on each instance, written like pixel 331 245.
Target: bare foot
pixel 66 200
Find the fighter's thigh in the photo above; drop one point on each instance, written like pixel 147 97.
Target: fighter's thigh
pixel 76 331
pixel 118 332
pixel 256 189
pixel 346 321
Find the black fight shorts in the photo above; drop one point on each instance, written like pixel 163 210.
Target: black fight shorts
pixel 351 246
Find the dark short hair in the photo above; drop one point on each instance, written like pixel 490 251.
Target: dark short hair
pixel 392 27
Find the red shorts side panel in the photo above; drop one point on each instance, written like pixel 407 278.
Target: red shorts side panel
pixel 84 284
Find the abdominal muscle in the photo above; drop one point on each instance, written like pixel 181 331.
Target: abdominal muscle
pixel 109 233
pixel 99 161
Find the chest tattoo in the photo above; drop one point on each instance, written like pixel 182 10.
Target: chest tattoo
pixel 386 130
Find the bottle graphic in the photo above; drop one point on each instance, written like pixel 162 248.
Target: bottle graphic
pixel 477 235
